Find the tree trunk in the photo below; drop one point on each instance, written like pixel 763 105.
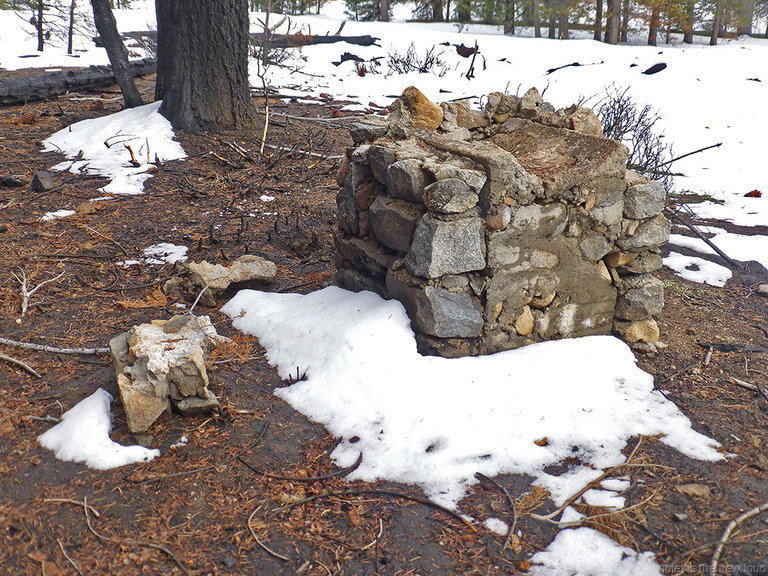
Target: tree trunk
pixel 716 24
pixel 536 20
pixel 202 64
pixel 624 27
pixel 437 10
pixel 612 22
pixel 509 17
pixel 562 22
pixel 746 15
pixel 40 36
pixel 71 30
pixel 653 25
pixel 384 10
pixel 552 32
pixel 689 21
pixel 118 55
pixel 463 10
pixel 599 21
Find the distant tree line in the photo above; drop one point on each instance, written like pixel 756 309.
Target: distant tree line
pixel 609 20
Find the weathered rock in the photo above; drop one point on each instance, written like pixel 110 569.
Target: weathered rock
pixel 369 130
pixel 380 159
pixel 351 279
pixel 161 360
pixel 583 120
pixel 450 196
pixel 413 110
pixel 524 322
pixel 643 263
pixel 13 181
pixel 341 175
pixel 406 179
pixel 616 259
pixel 648 234
pixel 506 178
pixel 393 221
pixel 435 311
pixel 695 490
pixel 365 255
pixel 460 114
pixel 191 406
pixel 644 200
pixel 246 268
pixel 442 171
pixel 594 246
pixel 639 331
pixel 640 297
pixel 42 181
pixel 440 247
pixel 365 194
pixel 360 154
pixel 538 220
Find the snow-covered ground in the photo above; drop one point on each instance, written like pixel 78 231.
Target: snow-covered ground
pixel 436 422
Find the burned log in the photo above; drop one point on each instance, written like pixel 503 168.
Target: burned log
pixel 19 90
pixel 275 40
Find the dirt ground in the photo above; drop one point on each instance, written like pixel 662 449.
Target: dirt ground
pixel 210 507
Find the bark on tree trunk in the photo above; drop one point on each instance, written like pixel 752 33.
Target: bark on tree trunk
pixel 689 20
pixel 536 20
pixel 653 25
pixel 612 22
pixel 118 55
pixel 746 15
pixel 716 24
pixel 383 10
pixel 562 22
pixel 624 27
pixel 71 30
pixel 40 38
pixel 552 32
pixel 509 17
pixel 202 64
pixel 599 21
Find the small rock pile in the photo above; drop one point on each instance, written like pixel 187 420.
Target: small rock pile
pixel 163 362
pixel 499 229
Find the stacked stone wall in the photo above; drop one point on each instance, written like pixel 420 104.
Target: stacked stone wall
pixel 501 228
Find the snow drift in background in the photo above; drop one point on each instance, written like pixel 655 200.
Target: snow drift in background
pixel 434 421
pixel 103 141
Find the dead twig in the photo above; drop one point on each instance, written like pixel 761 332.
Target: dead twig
pixel 337 474
pixel 26 293
pixel 727 533
pixel 685 222
pixel 304 153
pixel 375 492
pixel 63 551
pixel 217 466
pixel 115 242
pixel 749 386
pixel 593 484
pixel 23 365
pixel 52 349
pixel 261 544
pixel 130 542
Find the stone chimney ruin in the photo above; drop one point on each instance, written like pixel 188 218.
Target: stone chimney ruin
pixel 501 228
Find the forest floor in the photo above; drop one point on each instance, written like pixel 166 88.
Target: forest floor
pixel 218 516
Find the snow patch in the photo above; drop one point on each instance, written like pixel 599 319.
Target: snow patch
pixel 83 436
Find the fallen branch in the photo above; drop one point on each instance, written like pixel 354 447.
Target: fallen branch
pixel 115 242
pixel 303 153
pixel 20 364
pixel 52 349
pixel 684 221
pixel 750 386
pixel 686 155
pixel 26 293
pixel 727 533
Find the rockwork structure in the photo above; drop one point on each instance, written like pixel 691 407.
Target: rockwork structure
pixel 499 229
